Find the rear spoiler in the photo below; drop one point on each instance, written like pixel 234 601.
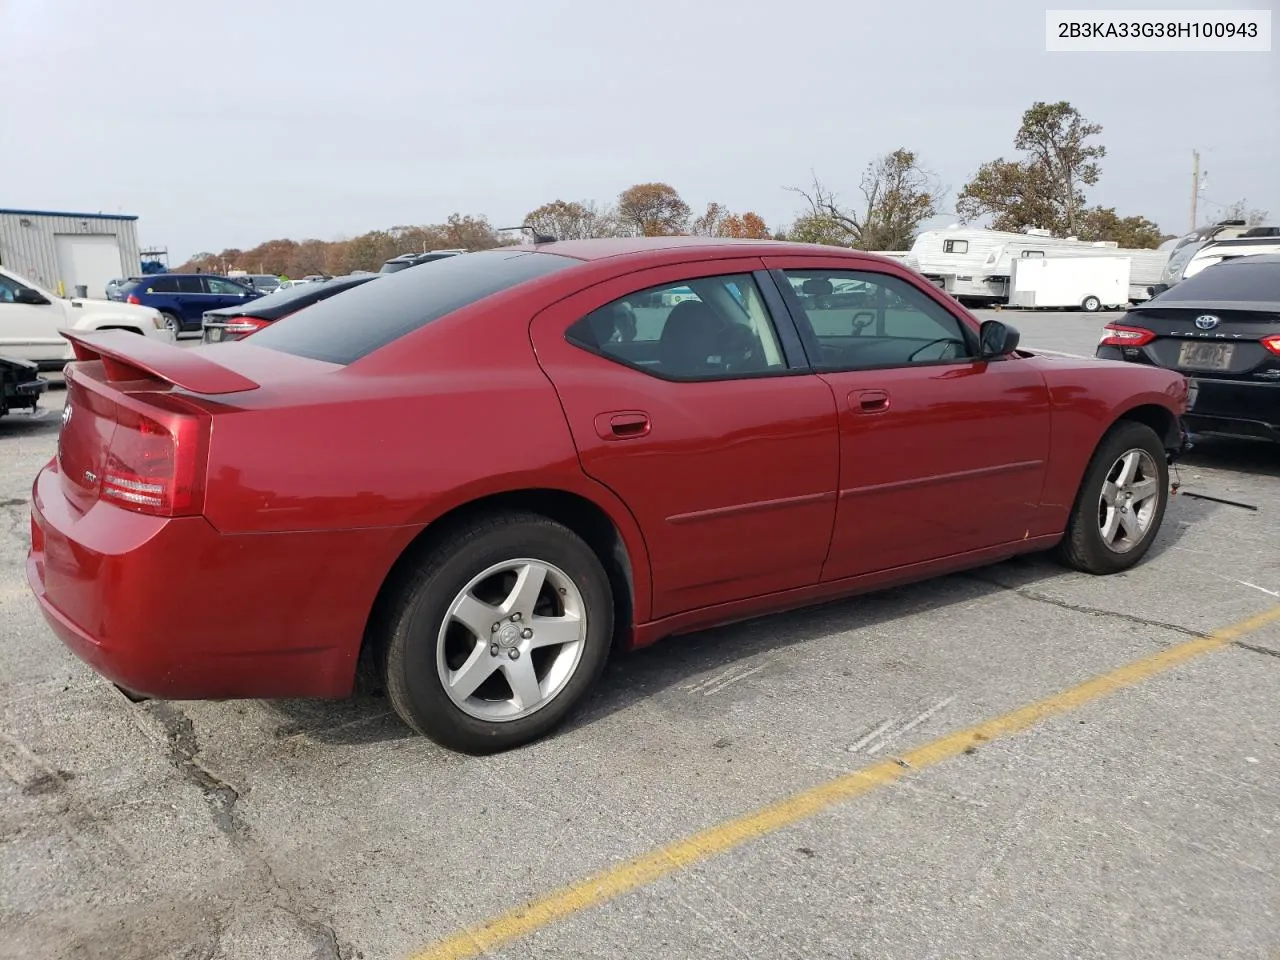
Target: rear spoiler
pixel 127 356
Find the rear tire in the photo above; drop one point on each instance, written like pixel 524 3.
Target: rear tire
pixel 171 322
pixel 1091 304
pixel 1120 504
pixel 497 634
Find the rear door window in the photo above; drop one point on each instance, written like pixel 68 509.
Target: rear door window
pixel 344 329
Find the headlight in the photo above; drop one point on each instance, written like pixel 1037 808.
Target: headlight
pixel 157 320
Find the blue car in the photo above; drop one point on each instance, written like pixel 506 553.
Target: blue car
pixel 184 298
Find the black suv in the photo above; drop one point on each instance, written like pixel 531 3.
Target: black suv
pixel 407 260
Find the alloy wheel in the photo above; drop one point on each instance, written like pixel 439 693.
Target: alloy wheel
pixel 1128 502
pixel 511 640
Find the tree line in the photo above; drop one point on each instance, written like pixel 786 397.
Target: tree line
pixel 1043 187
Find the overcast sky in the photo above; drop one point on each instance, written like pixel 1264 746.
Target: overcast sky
pixel 232 123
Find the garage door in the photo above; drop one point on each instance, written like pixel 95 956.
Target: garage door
pixel 88 258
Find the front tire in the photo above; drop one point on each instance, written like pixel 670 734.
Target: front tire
pixel 1120 504
pixel 497 635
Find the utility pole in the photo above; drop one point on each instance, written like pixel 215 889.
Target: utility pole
pixel 1195 185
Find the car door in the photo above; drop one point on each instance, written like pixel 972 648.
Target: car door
pixel 940 453
pixel 29 331
pixel 225 293
pixel 687 395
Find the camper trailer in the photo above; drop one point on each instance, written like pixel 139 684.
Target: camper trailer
pixel 1075 283
pixel 976 265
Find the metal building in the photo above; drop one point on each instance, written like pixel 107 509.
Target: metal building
pixel 63 251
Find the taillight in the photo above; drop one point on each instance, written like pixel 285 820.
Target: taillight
pixel 132 298
pixel 155 463
pixel 246 325
pixel 1118 335
pixel 1272 343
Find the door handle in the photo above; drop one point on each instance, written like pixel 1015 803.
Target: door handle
pixel 869 401
pixel 622 425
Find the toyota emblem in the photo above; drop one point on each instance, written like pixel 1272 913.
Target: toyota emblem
pixel 1207 321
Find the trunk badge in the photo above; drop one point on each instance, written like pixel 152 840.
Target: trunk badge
pixel 1207 321
pixel 90 477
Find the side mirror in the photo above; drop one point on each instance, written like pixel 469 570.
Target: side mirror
pixel 29 296
pixel 995 339
pixel 1157 289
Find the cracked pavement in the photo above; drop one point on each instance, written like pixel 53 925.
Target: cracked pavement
pixel 1142 825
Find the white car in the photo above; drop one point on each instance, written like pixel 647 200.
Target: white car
pixel 30 318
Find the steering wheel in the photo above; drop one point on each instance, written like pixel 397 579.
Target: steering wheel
pixel 920 350
pixel 860 325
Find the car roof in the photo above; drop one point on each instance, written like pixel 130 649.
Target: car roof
pixel 604 247
pixel 1253 260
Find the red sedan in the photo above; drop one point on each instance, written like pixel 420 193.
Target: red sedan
pixel 485 474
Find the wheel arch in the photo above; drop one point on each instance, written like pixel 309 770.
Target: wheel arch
pixel 1160 419
pixel 579 513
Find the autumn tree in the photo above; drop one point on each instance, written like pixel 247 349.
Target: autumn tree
pixel 748 226
pixel 1045 188
pixel 719 221
pixel 470 233
pixel 308 258
pixel 1103 223
pixel 572 220
pixel 898 196
pixel 652 210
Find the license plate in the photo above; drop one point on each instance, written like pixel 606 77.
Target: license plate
pixel 215 334
pixel 1206 356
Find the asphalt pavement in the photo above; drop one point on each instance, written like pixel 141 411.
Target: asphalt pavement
pixel 1018 761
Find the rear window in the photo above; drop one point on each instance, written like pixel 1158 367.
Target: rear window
pixel 1235 280
pixel 280 303
pixel 344 329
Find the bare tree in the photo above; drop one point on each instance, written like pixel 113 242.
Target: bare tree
pixel 898 195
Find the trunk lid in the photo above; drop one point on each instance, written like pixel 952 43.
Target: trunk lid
pixel 138 416
pixel 1210 341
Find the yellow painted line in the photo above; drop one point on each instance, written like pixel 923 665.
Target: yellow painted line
pixel 659 863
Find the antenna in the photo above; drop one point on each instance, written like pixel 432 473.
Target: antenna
pixel 537 237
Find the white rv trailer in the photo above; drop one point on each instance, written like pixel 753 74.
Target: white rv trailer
pixel 975 264
pixel 1078 283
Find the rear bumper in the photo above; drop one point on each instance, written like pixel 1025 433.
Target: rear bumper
pixel 1232 408
pixel 171 608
